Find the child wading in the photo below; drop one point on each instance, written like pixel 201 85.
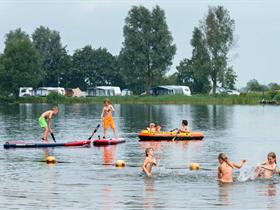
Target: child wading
pixel 225 168
pixel 267 168
pixel 107 118
pixel 149 162
pixel 45 121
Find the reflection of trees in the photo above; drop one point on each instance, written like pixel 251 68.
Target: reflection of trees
pixel 200 117
pixel 139 116
pixel 205 117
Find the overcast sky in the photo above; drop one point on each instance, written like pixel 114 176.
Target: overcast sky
pixel 100 23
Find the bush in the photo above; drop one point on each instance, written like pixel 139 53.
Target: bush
pixel 55 98
pixel 272 94
pixel 277 97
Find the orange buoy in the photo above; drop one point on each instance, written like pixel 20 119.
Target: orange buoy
pixel 120 163
pixel 194 166
pixel 50 160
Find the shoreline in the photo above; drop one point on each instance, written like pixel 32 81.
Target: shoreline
pixel 243 99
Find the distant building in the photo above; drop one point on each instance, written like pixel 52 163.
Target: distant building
pixel 26 92
pixel 104 91
pixel 126 92
pixel 44 91
pixel 171 90
pixel 74 92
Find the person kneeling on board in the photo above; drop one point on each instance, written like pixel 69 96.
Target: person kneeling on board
pixel 47 116
pixel 107 118
pixel 149 162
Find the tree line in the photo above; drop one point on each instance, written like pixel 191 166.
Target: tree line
pixel 40 59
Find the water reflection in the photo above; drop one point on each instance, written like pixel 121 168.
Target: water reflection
pixel 149 197
pixel 225 194
pixel 109 153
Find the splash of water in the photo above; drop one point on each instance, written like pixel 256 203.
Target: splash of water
pixel 248 173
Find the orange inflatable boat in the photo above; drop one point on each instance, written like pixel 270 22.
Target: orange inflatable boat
pixel 146 135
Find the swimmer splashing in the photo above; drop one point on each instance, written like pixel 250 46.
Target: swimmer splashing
pixel 266 169
pixel 225 168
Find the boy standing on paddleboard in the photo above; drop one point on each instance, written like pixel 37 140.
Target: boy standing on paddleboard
pixel 107 118
pixel 45 121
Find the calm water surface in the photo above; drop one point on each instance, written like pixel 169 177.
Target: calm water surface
pixel 84 179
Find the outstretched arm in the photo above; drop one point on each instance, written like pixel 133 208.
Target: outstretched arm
pixel 236 165
pixel 50 122
pixel 269 168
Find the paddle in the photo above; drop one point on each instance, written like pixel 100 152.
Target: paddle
pixel 52 135
pixel 95 130
pixel 175 136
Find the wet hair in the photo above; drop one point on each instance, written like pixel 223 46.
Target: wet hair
pixel 147 151
pixel 273 155
pixel 223 156
pixel 106 100
pixel 185 122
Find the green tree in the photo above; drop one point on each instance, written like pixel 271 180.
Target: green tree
pixel 21 61
pixel 254 85
pixel 230 78
pixel 81 64
pixel 273 86
pixel 148 48
pixel 92 67
pixel 105 69
pixel 194 72
pixel 54 55
pixel 218 28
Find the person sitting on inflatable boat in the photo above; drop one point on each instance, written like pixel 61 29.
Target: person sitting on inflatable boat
pixel 153 128
pixel 184 128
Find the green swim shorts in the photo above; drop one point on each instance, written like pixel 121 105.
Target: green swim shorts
pixel 42 122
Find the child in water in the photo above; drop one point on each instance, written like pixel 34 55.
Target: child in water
pixel 107 118
pixel 225 168
pixel 266 169
pixel 149 162
pixel 47 116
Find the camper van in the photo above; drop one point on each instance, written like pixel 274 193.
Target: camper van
pixel 44 91
pixel 127 92
pixel 26 92
pixel 171 90
pixel 104 91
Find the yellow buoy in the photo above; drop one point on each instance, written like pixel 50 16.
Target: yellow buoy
pixel 194 166
pixel 120 163
pixel 50 160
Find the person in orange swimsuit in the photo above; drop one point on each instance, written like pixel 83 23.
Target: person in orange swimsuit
pixel 107 118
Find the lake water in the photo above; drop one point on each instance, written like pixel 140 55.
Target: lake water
pixel 84 179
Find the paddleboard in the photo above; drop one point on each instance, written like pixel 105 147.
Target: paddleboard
pixel 23 144
pixel 111 141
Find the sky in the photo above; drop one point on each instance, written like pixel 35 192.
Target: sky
pixel 100 24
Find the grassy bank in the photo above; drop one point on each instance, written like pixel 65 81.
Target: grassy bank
pixel 251 98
